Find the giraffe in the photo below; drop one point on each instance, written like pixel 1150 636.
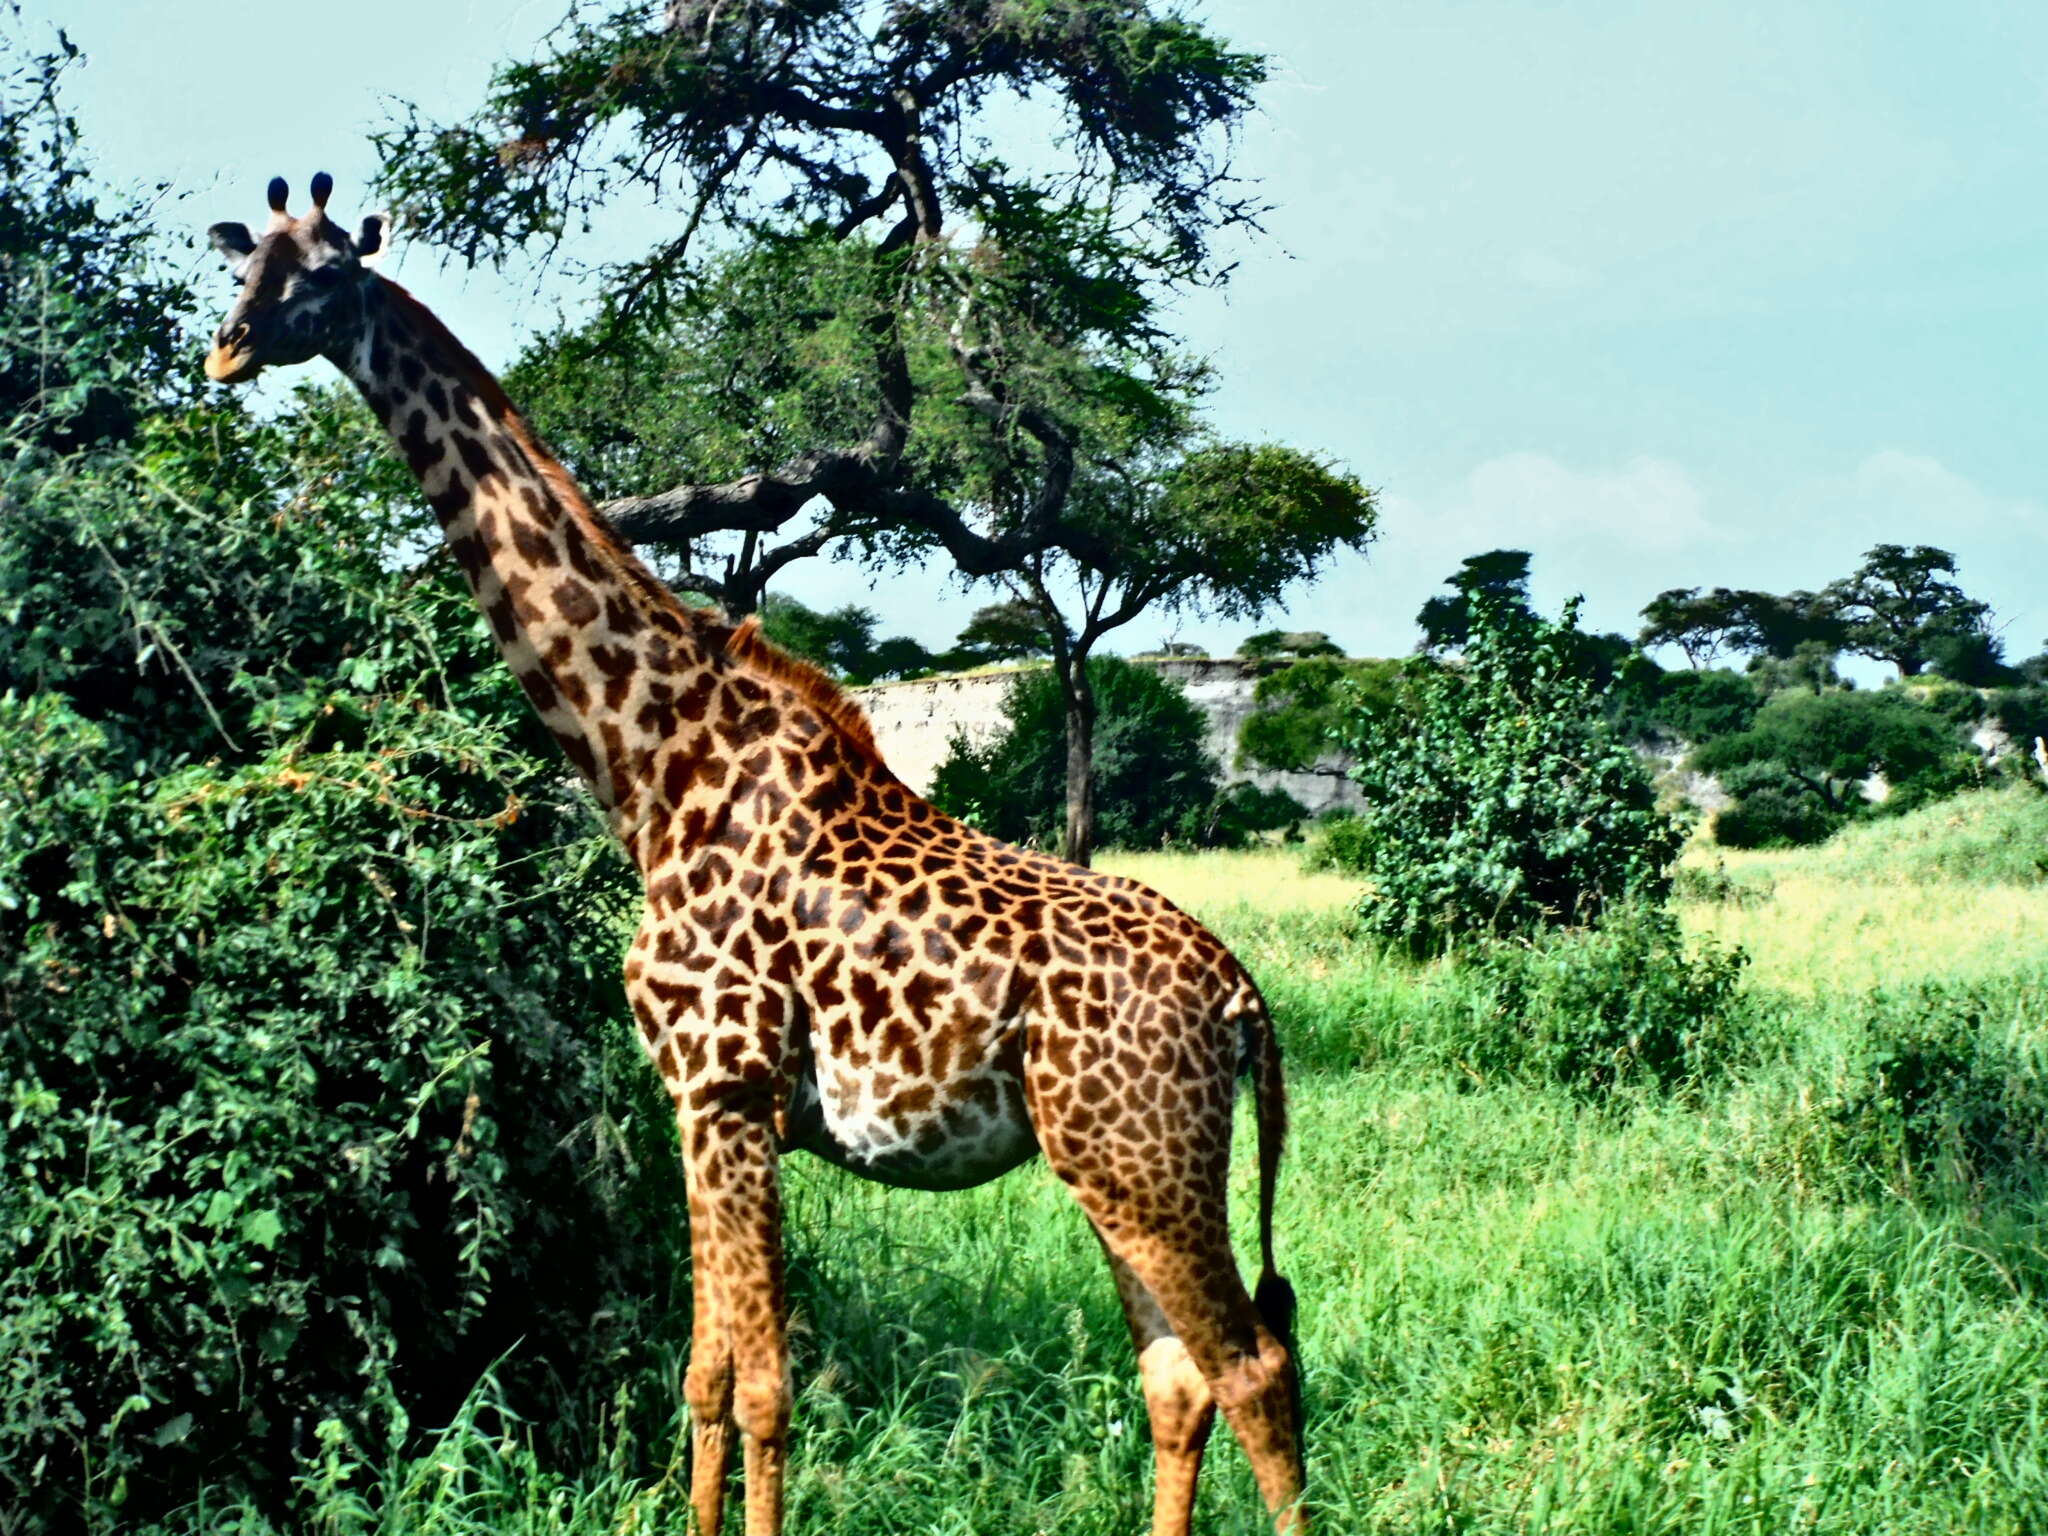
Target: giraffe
pixel 825 961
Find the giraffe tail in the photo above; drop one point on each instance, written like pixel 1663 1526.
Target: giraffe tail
pixel 1274 1297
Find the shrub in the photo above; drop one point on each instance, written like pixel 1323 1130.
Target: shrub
pixel 1795 773
pixel 1338 842
pixel 1498 798
pixel 321 1096
pixel 1238 815
pixel 1694 882
pixel 1947 1084
pixel 1628 1002
pixel 1763 813
pixel 1154 778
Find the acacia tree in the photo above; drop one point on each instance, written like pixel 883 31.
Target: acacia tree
pixel 1897 606
pixel 1499 577
pixel 828 124
pixel 934 350
pixel 1766 624
pixel 1217 529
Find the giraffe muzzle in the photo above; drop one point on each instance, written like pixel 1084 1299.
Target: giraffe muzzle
pixel 233 359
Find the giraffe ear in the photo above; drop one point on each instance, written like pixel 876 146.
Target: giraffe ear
pixel 232 240
pixel 373 239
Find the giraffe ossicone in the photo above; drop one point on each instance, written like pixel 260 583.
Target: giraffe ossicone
pixel 825 961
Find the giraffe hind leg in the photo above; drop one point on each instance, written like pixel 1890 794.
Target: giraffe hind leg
pixel 1178 1403
pixel 1191 1273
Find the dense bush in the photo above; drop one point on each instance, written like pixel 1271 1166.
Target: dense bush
pixel 321 1099
pixel 1796 772
pixel 1681 705
pixel 1627 1002
pixel 1946 1085
pixel 1498 798
pixel 1154 779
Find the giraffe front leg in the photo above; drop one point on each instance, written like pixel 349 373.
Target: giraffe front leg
pixel 736 1243
pixel 707 1385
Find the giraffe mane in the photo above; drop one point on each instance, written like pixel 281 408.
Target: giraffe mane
pixel 759 655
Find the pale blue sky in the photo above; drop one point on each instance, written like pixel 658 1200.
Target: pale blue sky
pixel 1669 293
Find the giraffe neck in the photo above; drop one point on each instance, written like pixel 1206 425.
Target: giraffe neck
pixel 595 640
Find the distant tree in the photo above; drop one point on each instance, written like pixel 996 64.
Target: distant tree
pixel 1220 529
pixel 1499 577
pixel 1298 710
pixel 1498 798
pixel 1282 644
pixel 1898 606
pixel 1823 746
pixel 1156 774
pixel 1699 623
pixel 901 656
pixel 842 641
pixel 1006 631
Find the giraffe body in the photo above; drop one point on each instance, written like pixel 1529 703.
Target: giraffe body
pixel 826 962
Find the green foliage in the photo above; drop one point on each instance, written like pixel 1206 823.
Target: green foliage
pixel 1223 528
pixel 321 1102
pixel 89 325
pixel 1797 767
pixel 1627 1002
pixel 1499 800
pixel 769 113
pixel 1155 780
pixel 1947 1085
pixel 1686 704
pixel 1298 709
pixel 1239 814
pixel 765 355
pixel 2022 713
pixel 1767 812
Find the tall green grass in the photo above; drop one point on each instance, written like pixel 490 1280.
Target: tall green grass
pixel 1792 1294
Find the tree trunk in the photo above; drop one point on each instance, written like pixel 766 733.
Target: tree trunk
pixel 1079 843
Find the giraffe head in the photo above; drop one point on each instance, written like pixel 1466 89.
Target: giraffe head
pixel 302 285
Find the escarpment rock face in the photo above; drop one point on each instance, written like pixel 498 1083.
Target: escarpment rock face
pixel 915 723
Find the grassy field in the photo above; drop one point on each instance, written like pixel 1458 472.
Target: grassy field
pixel 1733 1307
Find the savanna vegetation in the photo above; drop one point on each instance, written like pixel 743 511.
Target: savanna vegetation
pixel 337 1196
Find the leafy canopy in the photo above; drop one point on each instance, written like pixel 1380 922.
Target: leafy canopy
pixel 1899 606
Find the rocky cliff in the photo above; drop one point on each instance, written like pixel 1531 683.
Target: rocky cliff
pixel 915 722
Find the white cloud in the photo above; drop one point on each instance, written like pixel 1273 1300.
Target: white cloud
pixel 1911 498
pixel 1531 500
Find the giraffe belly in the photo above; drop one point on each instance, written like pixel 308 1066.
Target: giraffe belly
pixel 976 1128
